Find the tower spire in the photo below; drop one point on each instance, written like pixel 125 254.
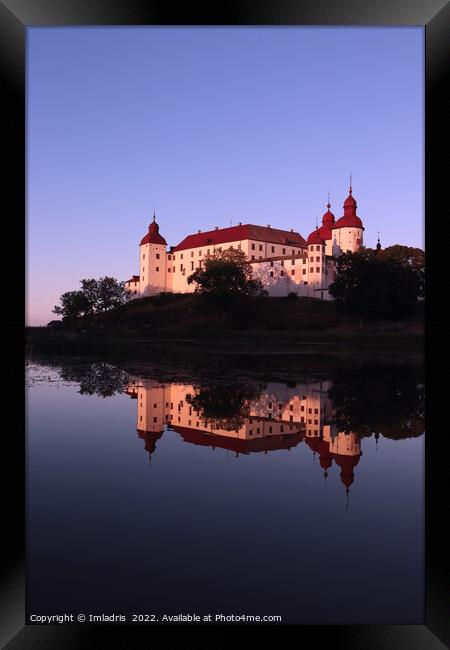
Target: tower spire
pixel 328 204
pixel 378 242
pixel 350 190
pixel 154 214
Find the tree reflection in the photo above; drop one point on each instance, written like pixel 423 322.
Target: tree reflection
pixel 382 399
pixel 224 406
pixel 98 378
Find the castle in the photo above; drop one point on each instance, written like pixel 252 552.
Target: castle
pixel 281 417
pixel 281 259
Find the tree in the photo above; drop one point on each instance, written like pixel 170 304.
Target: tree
pixel 225 274
pixel 90 290
pixel 379 283
pixel 73 305
pixel 110 294
pixel 95 296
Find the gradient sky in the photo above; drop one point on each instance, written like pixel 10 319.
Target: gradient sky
pixel 212 126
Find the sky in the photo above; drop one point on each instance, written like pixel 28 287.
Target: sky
pixel 211 126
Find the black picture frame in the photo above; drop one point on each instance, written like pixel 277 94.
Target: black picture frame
pixel 434 16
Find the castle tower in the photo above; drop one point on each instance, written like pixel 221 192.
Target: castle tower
pixel 325 232
pixel 152 262
pixel 347 232
pixel 316 263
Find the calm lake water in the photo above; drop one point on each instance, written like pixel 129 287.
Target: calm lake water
pixel 303 500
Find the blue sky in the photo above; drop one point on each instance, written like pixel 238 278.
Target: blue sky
pixel 212 126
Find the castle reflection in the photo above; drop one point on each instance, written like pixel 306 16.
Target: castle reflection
pixel 247 421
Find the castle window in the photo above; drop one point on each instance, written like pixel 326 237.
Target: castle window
pixel 270 429
pixel 253 257
pixel 311 259
pixel 317 270
pixel 143 269
pixel 192 266
pixel 253 247
pixel 281 429
pixel 304 260
pixel 192 253
pixel 284 251
pixel 291 407
pixel 271 274
pixel 271 263
pixel 181 255
pixel 291 418
pixel 317 259
pixel 260 257
pixel 270 405
pixel 168 257
pixel 302 408
pixel 207 252
pixel 181 267
pixel 292 261
pixel 199 253
pixel 142 278
pixel 316 422
pixel 239 247
pixel 317 248
pixel 282 262
pixel 273 249
pixel 282 273
pixel 155 419
pixel 157 268
pixel 157 256
pixel 169 269
pixel 305 283
pixel 260 247
pixel 143 257
pixel 302 419
pixel 173 258
pixel 293 272
pixel 304 271
pixel 173 269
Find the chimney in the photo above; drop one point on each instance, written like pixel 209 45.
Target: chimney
pixel 199 231
pixel 268 225
pixel 216 228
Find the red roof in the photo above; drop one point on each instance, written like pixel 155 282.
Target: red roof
pixel 240 233
pixel 349 219
pixel 348 222
pixel 243 446
pixel 328 217
pixel 153 236
pixel 316 238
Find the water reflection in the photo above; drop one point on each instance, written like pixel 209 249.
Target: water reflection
pixel 261 419
pixel 237 471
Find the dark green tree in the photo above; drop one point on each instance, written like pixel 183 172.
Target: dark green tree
pixel 110 294
pixel 224 274
pixel 379 283
pixel 73 305
pixel 94 297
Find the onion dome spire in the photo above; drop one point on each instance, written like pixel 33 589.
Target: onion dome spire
pixel 153 236
pixel 378 243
